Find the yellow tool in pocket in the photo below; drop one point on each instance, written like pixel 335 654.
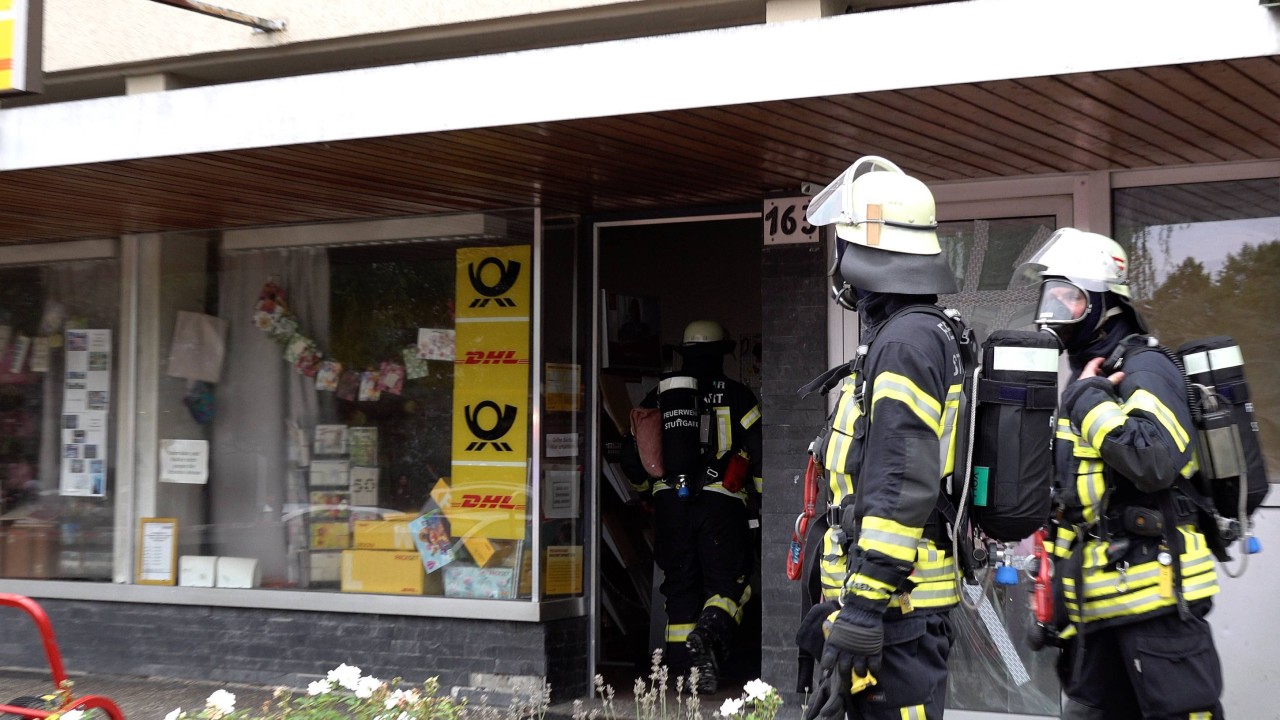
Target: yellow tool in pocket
pixel 861 682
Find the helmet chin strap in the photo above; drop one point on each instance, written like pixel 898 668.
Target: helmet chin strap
pixel 845 296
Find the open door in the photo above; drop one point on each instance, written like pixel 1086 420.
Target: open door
pixel 653 277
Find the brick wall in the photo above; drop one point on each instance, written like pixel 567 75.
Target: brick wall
pixel 272 647
pixel 795 349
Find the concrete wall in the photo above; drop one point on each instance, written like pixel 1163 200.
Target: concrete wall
pixel 271 647
pixel 91 33
pixel 795 345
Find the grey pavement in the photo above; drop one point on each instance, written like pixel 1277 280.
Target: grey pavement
pixel 138 698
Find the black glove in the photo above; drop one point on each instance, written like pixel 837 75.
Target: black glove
pixel 854 645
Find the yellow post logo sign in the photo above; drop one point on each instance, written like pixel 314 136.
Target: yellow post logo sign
pixel 20 46
pixel 491 393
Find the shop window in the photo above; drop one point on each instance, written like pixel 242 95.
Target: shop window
pixel 369 427
pixel 993 667
pixel 58 351
pixel 1204 258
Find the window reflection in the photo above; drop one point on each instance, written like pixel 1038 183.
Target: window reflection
pixel 1205 258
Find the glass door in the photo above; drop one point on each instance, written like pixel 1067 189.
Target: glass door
pixel 993 668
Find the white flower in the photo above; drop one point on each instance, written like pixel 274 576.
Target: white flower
pixel 319 687
pixel 731 707
pixel 366 686
pixel 73 715
pixel 221 703
pixel 402 697
pixel 345 675
pixel 177 713
pixel 757 690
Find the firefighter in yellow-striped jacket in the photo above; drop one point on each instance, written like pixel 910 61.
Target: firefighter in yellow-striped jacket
pixel 885 564
pixel 1133 573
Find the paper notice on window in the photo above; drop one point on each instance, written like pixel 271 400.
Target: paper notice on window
pixel 86 406
pixel 184 461
pixel 564 570
pixel 156 556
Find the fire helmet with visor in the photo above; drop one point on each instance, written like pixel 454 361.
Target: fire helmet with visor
pixel 886 230
pixel 1083 279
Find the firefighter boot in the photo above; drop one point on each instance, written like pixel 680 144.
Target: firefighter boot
pixel 703 654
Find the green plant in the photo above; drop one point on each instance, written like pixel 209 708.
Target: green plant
pixel 759 701
pixel 347 693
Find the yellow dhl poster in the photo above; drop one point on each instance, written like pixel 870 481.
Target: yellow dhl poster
pixel 487 501
pixel 491 393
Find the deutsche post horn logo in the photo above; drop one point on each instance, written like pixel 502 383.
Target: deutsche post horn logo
pixel 507 275
pixel 504 418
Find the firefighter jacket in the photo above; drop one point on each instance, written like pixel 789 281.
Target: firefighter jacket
pixel 735 431
pixel 1126 543
pixel 889 444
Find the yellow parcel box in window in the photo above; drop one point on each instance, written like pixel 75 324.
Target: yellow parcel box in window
pixel 383 535
pixel 394 572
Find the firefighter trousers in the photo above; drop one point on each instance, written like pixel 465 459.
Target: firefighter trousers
pixel 1161 668
pixel 703 546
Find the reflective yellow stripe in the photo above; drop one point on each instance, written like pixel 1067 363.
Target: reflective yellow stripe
pixel 868 587
pixel 724 431
pixel 1110 593
pixel 840 484
pixel 1090 486
pixel 1064 537
pixel 915 712
pixel 892 386
pixel 832 567
pixel 1102 419
pixel 678 633
pixel 732 607
pixel 894 539
pixel 1201 715
pixel 1191 468
pixel 848 409
pixel 1144 400
pixel 750 418
pixel 934 578
pixel 947 446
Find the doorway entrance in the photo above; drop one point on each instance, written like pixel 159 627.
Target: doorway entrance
pixel 654 277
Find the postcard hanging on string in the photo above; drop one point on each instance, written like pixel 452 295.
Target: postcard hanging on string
pixel 414 366
pixel 436 344
pixel 327 375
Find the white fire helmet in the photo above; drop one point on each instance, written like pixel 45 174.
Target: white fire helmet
pixel 1092 261
pixel 703 331
pixel 887 228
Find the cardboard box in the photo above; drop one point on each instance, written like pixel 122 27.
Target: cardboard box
pixel 324 567
pixel 383 535
pixel 238 572
pixel 469 581
pixel 395 572
pixel 30 550
pixel 330 535
pixel 197 570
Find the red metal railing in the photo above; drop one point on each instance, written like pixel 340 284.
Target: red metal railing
pixel 62 686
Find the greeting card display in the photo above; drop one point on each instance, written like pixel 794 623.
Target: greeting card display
pixel 331 440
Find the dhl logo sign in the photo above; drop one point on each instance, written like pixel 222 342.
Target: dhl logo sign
pixel 493 289
pixel 491 435
pixel 492 357
pixel 490 502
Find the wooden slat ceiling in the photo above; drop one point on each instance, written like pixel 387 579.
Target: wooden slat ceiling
pixel 1135 118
